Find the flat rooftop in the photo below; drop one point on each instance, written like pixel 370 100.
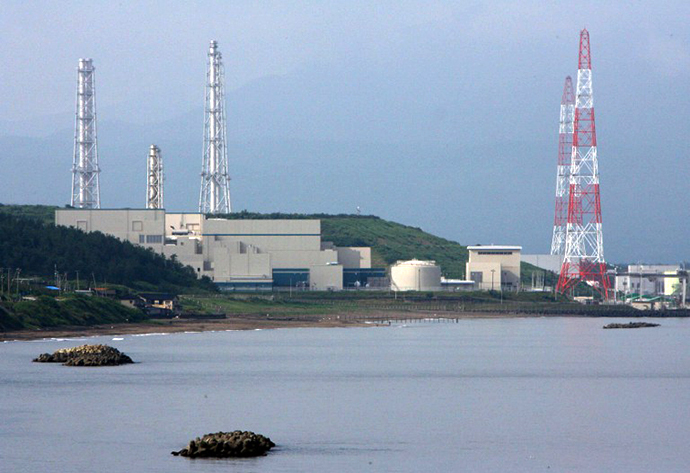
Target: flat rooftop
pixel 495 247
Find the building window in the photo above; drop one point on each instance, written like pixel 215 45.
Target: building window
pixel 142 239
pixel 154 238
pixel 83 225
pixel 137 226
pixel 494 252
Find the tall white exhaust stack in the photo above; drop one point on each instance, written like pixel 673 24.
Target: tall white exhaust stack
pixel 215 181
pixel 86 192
pixel 154 179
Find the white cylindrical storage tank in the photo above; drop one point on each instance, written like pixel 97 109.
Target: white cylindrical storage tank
pixel 415 275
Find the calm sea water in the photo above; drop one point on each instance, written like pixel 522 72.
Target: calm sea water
pixel 531 394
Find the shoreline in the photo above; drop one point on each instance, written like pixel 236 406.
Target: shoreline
pixel 244 322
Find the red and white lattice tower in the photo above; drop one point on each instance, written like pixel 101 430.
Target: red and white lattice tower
pixel 584 245
pixel 565 149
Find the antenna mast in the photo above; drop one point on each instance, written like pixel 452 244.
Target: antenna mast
pixel 584 244
pixel 85 184
pixel 154 176
pixel 215 182
pixel 565 149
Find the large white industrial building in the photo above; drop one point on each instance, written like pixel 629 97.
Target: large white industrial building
pixel 235 254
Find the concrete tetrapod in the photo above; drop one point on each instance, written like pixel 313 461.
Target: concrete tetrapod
pixel 86 355
pixel 226 445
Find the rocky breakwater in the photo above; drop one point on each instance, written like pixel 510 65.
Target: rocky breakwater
pixel 631 325
pixel 86 355
pixel 226 445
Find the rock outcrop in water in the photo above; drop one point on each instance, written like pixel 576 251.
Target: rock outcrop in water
pixel 631 325
pixel 86 355
pixel 227 444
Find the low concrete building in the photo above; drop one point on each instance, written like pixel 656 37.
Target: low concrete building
pixel 650 280
pixel 455 285
pixel 235 254
pixel 494 267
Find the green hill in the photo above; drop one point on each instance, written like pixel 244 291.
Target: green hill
pixel 71 310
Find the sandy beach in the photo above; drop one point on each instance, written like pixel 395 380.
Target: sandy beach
pixel 241 322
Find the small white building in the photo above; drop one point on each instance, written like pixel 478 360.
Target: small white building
pixel 494 267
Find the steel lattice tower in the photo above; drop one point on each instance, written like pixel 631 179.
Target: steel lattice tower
pixel 584 244
pixel 154 179
pixel 86 193
pixel 215 182
pixel 565 149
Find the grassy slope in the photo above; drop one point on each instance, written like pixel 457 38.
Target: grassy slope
pixel 72 310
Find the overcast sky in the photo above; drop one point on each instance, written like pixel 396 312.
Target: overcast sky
pixel 481 80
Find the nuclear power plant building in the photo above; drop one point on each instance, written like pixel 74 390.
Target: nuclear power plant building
pixel 236 254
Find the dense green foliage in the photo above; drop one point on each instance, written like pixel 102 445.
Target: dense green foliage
pixel 389 241
pixel 47 311
pixel 38 249
pixel 43 213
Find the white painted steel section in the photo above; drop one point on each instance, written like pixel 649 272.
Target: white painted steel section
pixel 565 128
pixel 154 177
pixel 215 182
pixel 85 170
pixel 584 240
